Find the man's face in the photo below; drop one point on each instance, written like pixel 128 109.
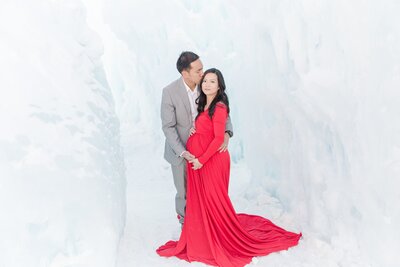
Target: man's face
pixel 195 73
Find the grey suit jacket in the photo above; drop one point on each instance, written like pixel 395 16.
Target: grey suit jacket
pixel 176 118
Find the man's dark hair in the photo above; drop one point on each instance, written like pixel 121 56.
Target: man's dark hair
pixel 185 59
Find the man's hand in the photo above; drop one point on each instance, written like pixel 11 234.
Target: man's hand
pixel 224 146
pixel 196 164
pixel 186 155
pixel 192 131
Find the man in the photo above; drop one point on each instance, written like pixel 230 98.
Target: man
pixel 178 112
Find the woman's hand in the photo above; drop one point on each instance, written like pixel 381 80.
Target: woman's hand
pixel 192 131
pixel 196 164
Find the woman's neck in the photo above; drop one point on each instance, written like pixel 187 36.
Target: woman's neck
pixel 209 100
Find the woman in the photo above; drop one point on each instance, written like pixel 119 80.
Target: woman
pixel 212 232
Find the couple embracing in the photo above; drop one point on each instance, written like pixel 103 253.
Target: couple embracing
pixel 196 124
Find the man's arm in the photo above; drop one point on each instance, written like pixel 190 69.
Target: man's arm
pixel 228 134
pixel 229 127
pixel 168 119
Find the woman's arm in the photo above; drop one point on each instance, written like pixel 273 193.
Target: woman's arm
pixel 219 121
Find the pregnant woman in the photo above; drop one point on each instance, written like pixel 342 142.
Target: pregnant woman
pixel 213 233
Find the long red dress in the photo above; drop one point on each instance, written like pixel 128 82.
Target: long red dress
pixel 213 233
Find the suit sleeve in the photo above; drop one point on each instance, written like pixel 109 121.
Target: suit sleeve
pixel 228 125
pixel 219 121
pixel 168 120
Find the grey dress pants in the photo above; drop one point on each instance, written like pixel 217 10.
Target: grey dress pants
pixel 179 173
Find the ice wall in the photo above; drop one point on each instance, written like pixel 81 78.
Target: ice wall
pixel 62 182
pixel 313 87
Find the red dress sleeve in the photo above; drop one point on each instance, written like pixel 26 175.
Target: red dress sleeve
pixel 218 120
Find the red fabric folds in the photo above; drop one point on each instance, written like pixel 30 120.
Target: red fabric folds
pixel 213 233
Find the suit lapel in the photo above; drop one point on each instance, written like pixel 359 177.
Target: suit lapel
pixel 184 96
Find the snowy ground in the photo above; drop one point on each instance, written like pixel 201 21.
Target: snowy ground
pixel 151 217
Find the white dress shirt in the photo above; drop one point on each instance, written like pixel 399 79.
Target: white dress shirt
pixel 193 95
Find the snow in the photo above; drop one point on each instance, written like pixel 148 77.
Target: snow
pixel 313 87
pixel 62 189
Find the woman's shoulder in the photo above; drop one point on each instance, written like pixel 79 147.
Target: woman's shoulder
pixel 221 108
pixel 220 104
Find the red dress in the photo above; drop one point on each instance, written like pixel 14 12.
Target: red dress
pixel 212 232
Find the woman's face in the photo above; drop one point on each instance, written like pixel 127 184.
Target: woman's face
pixel 210 85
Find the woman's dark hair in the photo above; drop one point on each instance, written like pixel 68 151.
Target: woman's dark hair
pixel 220 97
pixel 185 59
